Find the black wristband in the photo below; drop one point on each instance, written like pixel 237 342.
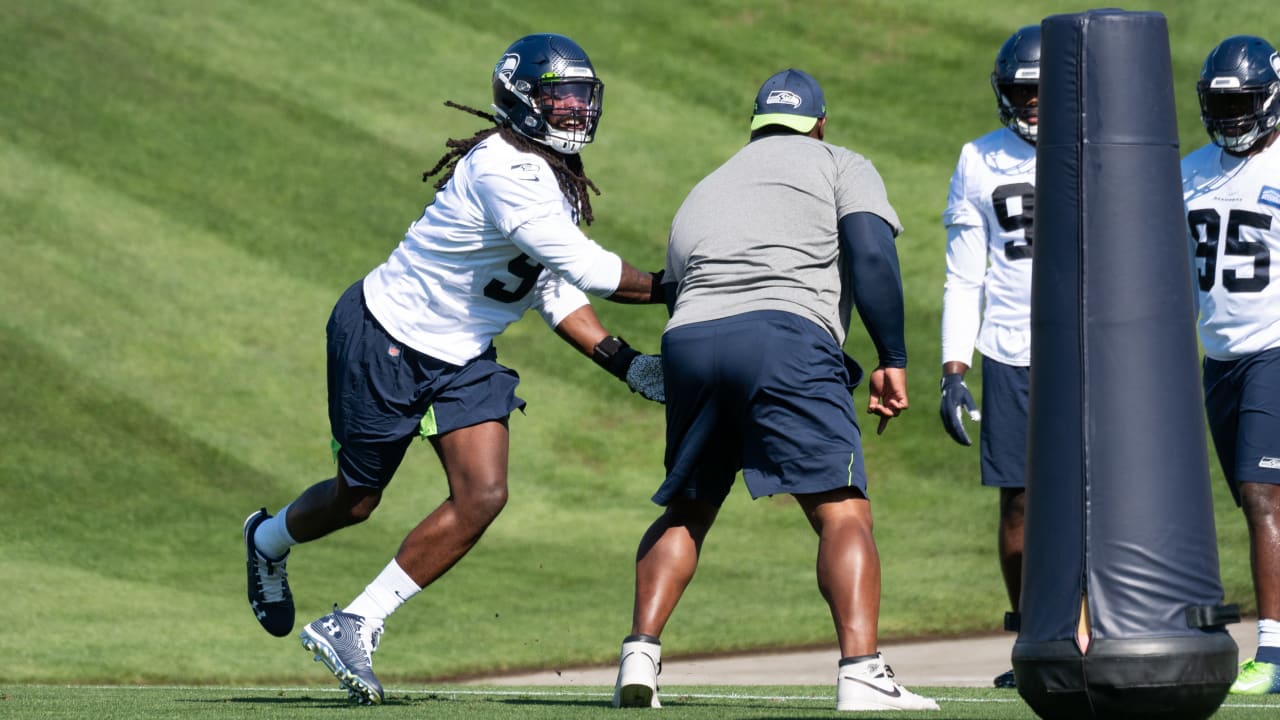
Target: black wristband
pixel 615 355
pixel 658 294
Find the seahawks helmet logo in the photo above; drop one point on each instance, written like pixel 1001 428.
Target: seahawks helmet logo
pixel 506 68
pixel 783 97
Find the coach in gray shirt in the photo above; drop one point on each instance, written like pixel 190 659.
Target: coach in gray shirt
pixel 767 257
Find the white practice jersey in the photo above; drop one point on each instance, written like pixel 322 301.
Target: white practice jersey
pixel 987 299
pixel 499 238
pixel 1233 211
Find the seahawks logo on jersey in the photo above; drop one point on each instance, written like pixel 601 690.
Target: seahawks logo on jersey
pixel 525 171
pixel 1269 196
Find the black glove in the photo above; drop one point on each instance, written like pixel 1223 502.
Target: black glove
pixel 955 398
pixel 641 373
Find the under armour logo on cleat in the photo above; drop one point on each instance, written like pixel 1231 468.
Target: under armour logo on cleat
pixel 333 628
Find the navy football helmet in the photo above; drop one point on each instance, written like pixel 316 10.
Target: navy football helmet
pixel 1238 88
pixel 545 87
pixel 1016 81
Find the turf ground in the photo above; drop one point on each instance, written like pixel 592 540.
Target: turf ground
pixel 543 703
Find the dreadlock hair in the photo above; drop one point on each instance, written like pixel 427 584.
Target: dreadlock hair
pixel 567 168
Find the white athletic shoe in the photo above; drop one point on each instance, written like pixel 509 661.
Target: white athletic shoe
pixel 869 685
pixel 639 665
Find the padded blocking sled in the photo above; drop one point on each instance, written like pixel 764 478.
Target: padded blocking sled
pixel 1122 611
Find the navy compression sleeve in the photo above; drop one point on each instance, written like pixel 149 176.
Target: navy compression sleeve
pixel 866 244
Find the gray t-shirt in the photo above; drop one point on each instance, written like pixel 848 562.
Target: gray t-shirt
pixel 760 232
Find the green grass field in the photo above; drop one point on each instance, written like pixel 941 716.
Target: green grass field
pixel 186 187
pixel 446 702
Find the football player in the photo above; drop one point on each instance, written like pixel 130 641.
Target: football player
pixel 987 299
pixel 768 257
pixel 1232 191
pixel 410 346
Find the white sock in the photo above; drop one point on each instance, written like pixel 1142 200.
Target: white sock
pixel 1268 633
pixel 272 537
pixel 388 591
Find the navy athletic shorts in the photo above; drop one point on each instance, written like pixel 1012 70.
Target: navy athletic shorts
pixel 1242 401
pixel 382 393
pixel 766 392
pixel 1005 393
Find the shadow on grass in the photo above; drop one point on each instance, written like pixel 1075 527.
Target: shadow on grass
pixel 726 709
pixel 311 704
pixel 335 699
pixel 722 710
pixel 283 700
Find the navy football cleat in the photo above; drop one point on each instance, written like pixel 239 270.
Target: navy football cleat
pixel 269 594
pixel 345 643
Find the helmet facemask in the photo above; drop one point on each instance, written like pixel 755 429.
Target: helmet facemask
pixel 1019 107
pixel 1237 118
pixel 570 112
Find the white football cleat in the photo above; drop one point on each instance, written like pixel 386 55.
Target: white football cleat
pixel 868 685
pixel 639 665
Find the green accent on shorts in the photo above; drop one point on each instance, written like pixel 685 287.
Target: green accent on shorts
pixel 852 457
pixel 426 429
pixel 428 426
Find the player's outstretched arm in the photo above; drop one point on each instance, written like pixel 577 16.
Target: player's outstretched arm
pixel 642 373
pixel 638 286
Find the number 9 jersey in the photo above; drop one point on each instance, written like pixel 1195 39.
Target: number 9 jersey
pixel 990 231
pixel 499 238
pixel 1233 213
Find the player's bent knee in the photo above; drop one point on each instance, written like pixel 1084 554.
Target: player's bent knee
pixel 696 516
pixel 480 505
pixel 360 510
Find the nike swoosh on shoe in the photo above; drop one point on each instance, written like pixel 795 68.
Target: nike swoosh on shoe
pixel 896 692
pixel 1252 685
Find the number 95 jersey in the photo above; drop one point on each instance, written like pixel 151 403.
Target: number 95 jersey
pixel 990 231
pixel 1233 212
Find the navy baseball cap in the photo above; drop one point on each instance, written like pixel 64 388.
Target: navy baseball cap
pixel 791 98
